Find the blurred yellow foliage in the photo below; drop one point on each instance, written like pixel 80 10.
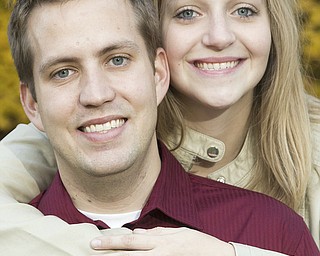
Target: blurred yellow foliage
pixel 312 28
pixel 311 38
pixel 11 112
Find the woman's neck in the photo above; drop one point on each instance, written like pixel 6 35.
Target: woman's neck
pixel 229 125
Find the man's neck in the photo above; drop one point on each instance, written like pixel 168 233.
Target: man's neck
pixel 122 192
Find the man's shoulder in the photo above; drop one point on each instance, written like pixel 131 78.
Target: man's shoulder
pixel 247 215
pixel 258 203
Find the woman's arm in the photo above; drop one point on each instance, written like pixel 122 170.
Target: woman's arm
pixel 175 241
pixel 27 163
pixel 27 166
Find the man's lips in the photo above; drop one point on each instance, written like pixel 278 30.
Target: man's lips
pixel 104 127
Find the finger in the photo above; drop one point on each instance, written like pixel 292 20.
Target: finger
pixel 158 231
pixel 122 242
pixel 128 253
pixel 140 231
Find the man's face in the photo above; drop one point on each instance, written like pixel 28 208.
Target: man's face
pixel 97 92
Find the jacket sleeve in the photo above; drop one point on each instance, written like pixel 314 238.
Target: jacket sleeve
pixel 26 167
pixel 313 190
pixel 27 161
pixel 246 250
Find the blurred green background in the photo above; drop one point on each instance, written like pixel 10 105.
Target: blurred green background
pixel 11 112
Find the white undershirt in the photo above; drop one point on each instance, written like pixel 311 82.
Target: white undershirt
pixel 113 220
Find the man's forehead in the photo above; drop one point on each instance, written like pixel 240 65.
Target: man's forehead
pixel 57 32
pixel 69 12
pixel 86 22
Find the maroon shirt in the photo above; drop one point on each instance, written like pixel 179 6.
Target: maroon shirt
pixel 180 199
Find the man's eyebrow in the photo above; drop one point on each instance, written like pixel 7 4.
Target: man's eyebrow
pixel 54 61
pixel 130 45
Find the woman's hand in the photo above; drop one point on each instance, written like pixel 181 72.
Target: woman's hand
pixel 164 242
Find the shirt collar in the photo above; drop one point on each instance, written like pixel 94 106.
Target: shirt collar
pixel 173 192
pixel 172 195
pixel 56 201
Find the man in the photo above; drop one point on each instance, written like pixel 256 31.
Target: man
pixel 86 80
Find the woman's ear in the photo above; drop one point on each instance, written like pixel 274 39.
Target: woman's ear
pixel 162 74
pixel 30 106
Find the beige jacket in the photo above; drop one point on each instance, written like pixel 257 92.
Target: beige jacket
pixel 240 170
pixel 27 166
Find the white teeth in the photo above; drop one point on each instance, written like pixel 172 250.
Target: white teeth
pixel 107 126
pixel 99 128
pixel 92 128
pixel 216 66
pixel 102 128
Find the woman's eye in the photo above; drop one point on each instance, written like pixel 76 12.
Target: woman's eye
pixel 245 12
pixel 63 73
pixel 187 14
pixel 119 61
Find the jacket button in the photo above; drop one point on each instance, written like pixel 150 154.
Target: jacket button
pixel 213 152
pixel 221 179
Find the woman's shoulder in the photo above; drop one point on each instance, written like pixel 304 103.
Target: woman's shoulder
pixel 314 114
pixel 314 111
pixel 311 213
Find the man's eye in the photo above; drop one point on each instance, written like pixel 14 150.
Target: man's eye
pixel 119 61
pixel 63 73
pixel 187 14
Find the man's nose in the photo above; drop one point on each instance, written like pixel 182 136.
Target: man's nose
pixel 96 88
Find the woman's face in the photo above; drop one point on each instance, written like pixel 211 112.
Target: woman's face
pixel 217 49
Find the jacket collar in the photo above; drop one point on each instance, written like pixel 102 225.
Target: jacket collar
pixel 200 145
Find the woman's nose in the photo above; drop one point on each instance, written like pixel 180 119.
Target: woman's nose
pixel 219 34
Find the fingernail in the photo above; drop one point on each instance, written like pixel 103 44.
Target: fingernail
pixel 96 243
pixel 139 231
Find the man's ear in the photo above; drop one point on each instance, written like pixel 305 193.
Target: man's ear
pixel 162 74
pixel 30 106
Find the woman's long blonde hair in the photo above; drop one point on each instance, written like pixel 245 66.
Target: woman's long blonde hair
pixel 279 122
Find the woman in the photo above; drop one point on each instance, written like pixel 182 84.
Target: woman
pixel 237 111
pixel 215 106
pixel 237 80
